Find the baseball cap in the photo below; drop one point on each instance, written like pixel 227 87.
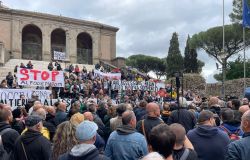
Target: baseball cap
pixel 32 120
pixel 86 130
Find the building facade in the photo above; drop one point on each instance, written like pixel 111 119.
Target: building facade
pixel 35 36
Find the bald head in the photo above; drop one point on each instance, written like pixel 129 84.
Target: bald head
pixel 244 108
pixel 88 116
pixel 245 101
pixel 51 110
pixel 40 112
pixel 62 106
pixel 245 122
pixel 153 110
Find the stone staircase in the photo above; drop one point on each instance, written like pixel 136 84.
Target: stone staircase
pixel 41 65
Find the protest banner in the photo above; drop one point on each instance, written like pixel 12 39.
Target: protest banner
pixel 16 93
pixel 109 76
pixel 33 77
pixel 136 85
pixel 60 56
pixel 14 103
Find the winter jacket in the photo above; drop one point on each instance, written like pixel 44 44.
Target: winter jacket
pixel 209 142
pixel 126 144
pixel 60 117
pixel 36 146
pixel 149 123
pixel 239 150
pixel 184 117
pixel 9 137
pixel 231 128
pixel 83 152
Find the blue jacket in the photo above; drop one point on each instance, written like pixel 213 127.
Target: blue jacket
pixel 126 145
pixel 240 149
pixel 232 128
pixel 209 142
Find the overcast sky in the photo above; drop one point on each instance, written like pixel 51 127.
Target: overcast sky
pixel 145 26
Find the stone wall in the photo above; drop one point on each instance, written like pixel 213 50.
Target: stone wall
pixel 232 87
pixel 197 84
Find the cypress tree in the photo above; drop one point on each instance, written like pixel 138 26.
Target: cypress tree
pixel 174 58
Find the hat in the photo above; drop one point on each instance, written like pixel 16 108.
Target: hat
pixel 77 118
pixel 86 130
pixel 33 120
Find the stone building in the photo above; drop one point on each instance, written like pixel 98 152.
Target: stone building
pixel 35 36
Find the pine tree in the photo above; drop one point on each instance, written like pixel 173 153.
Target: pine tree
pixel 236 15
pixel 174 58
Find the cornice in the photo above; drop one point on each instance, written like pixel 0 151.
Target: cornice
pixel 58 18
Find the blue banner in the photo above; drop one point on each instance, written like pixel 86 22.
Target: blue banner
pixel 246 14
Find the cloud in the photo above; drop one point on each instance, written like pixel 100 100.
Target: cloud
pixel 146 26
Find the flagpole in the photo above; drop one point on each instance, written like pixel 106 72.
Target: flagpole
pixel 244 49
pixel 223 52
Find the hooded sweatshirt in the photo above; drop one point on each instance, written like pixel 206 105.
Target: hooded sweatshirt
pixel 83 152
pixel 37 147
pixel 9 137
pixel 209 142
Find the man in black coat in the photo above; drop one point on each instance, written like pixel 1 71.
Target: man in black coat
pixel 8 134
pixel 183 116
pixel 32 145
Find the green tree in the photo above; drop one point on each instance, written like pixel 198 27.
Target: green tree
pixel 147 63
pixel 236 15
pixel 200 65
pixel 174 59
pixel 235 70
pixel 190 58
pixel 211 42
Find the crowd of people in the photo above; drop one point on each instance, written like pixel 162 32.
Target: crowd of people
pixel 103 124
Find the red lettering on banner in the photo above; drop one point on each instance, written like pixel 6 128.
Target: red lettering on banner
pixel 45 75
pixel 54 74
pixel 24 72
pixel 35 73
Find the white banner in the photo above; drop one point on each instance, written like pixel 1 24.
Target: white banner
pixel 14 103
pixel 136 85
pixel 110 76
pixel 59 56
pixel 33 77
pixel 11 94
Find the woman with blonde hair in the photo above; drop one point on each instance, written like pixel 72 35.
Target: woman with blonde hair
pixel 64 139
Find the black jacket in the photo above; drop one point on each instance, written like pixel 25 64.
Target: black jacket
pixel 184 117
pixel 83 152
pixel 149 123
pixel 36 146
pixel 9 137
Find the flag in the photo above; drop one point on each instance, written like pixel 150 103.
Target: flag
pixel 246 14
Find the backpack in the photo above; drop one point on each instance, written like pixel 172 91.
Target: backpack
pixel 3 153
pixel 233 136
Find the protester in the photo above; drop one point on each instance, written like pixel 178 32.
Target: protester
pixel 117 121
pixel 61 114
pixel 10 80
pixel 85 149
pixel 152 119
pixel 8 134
pixel 182 116
pixel 183 148
pixel 239 150
pixel 162 140
pixel 64 139
pixel 207 133
pixel 32 145
pixel 125 143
